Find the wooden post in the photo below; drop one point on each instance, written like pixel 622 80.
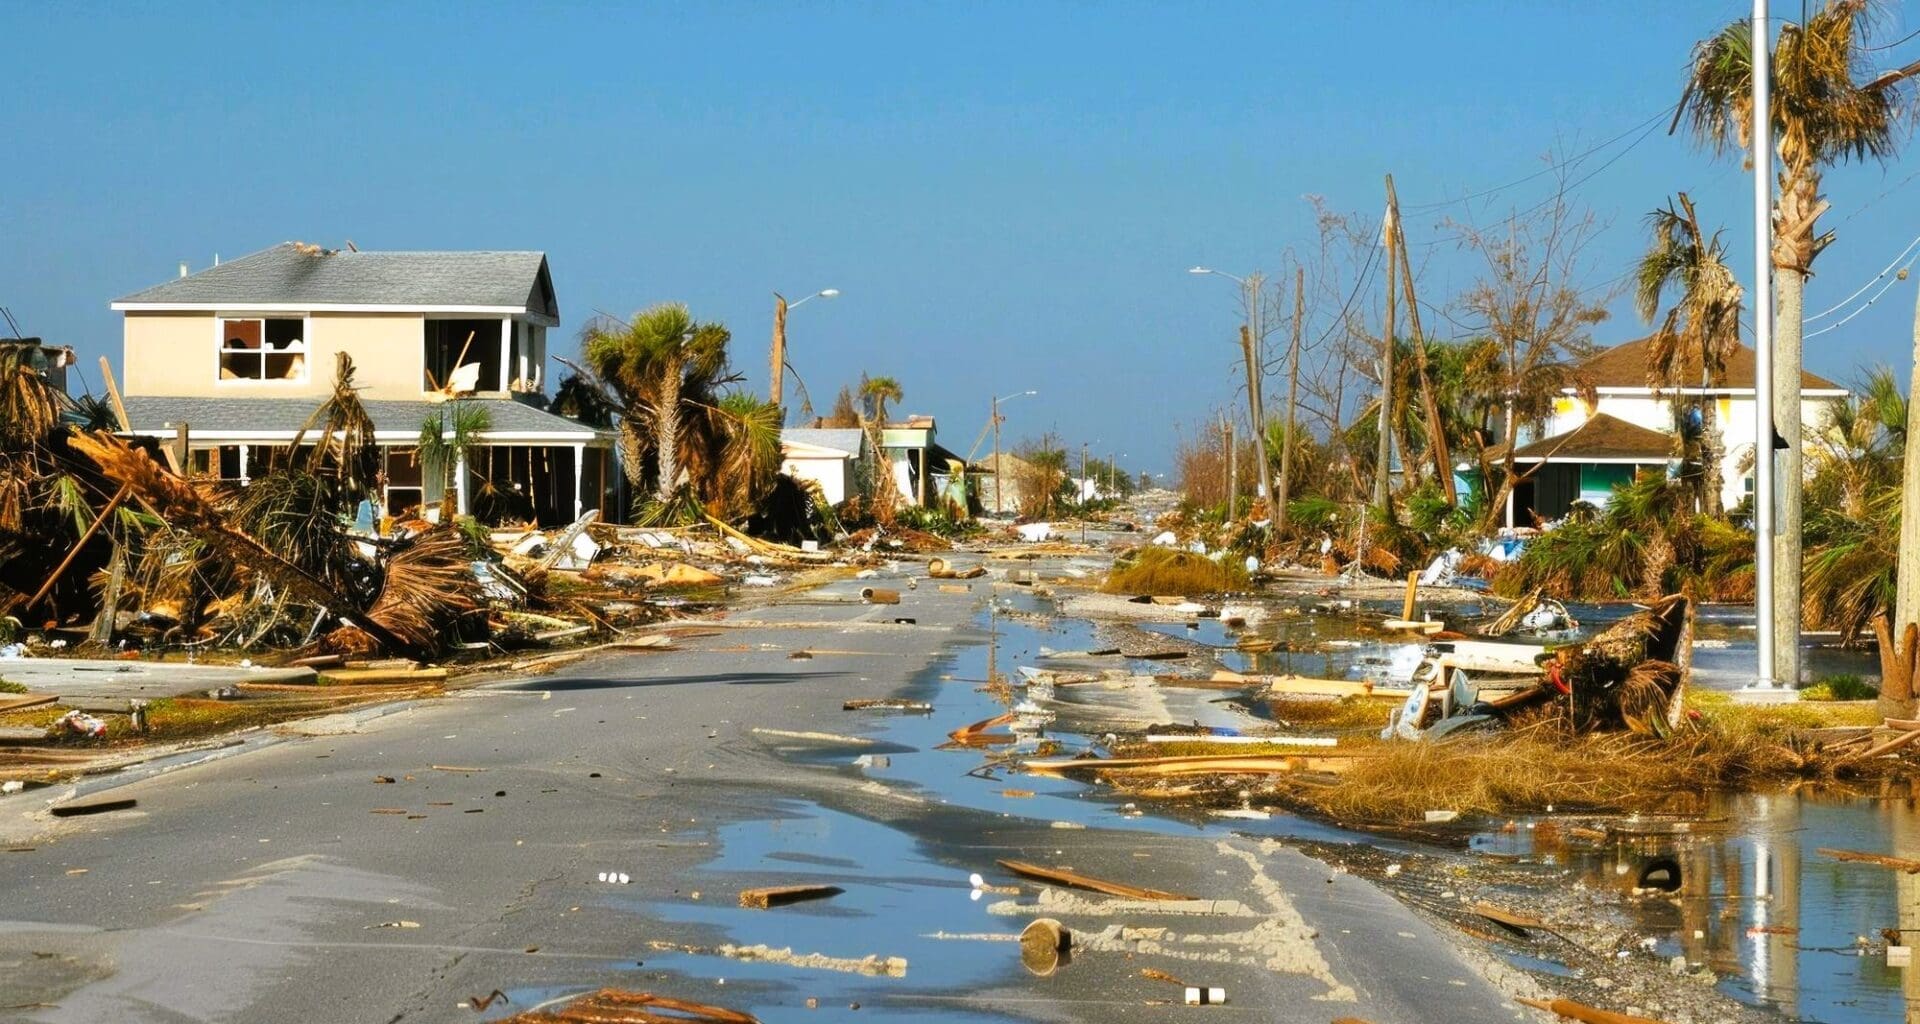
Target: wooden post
pixel 1383 448
pixel 1436 429
pixel 1293 391
pixel 120 412
pixel 103 624
pixel 59 571
pixel 1413 589
pixel 180 448
pixel 1233 468
pixel 777 376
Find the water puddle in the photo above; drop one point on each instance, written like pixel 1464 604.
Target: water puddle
pixel 1756 900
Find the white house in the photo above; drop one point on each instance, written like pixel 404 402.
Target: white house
pixel 824 456
pixel 1589 446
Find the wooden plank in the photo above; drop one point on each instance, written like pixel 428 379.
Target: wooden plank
pixel 1911 867
pixel 1501 915
pixel 1308 686
pixel 383 675
pixel 781 895
pixel 1193 764
pixel 17 701
pixel 1582 1012
pixel 1073 879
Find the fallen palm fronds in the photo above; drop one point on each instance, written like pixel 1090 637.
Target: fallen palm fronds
pixel 430 592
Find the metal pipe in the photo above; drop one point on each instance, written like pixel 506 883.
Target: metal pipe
pixel 1763 453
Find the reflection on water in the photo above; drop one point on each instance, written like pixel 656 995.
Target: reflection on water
pixel 1782 924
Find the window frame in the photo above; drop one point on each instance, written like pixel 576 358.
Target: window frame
pixel 220 350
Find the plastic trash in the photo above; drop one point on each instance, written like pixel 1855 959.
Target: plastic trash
pixel 81 724
pixel 1206 996
pixel 615 877
pixel 1033 533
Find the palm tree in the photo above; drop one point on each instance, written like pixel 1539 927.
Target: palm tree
pixel 656 364
pixel 1821 115
pixel 875 393
pixel 447 436
pixel 1699 333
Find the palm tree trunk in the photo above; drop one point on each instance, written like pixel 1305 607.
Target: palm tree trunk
pixel 633 456
pixel 666 434
pixel 1710 455
pixel 1789 290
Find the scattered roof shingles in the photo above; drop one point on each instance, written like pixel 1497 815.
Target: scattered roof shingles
pixel 289 273
pixel 1625 366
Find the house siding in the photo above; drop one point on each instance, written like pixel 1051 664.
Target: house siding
pixel 1736 420
pixel 176 354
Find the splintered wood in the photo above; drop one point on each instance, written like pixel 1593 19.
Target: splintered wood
pixel 615 1006
pixel 781 895
pixel 1061 876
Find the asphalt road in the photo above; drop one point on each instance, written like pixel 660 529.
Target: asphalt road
pixel 286 883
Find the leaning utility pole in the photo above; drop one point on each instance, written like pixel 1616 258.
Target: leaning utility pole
pixel 1436 427
pixel 777 378
pixel 1383 451
pixel 1250 348
pixel 1293 391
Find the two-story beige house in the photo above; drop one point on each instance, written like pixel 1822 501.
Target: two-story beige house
pixel 238 355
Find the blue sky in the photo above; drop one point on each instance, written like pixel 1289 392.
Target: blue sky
pixel 1007 195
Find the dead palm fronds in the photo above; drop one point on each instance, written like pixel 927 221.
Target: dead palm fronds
pixel 430 590
pixel 343 448
pixel 186 508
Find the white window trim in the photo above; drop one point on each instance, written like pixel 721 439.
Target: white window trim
pixel 220 349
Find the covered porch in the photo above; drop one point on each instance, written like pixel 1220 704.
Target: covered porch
pixel 1584 464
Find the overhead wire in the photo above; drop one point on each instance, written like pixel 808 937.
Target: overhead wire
pixel 1884 271
pixel 1842 322
pixel 1550 168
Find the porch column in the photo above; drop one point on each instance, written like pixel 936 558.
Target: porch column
pixel 243 463
pixel 506 352
pixel 579 481
pixel 460 483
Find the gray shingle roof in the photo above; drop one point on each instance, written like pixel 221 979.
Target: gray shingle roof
pixel 158 415
pixel 845 439
pixel 292 273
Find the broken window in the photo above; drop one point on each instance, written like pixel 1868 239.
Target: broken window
pixel 263 348
pixel 404 487
pixel 452 344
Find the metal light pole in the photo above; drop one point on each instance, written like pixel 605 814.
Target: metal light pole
pixel 1251 340
pixel 776 386
pixel 1763 461
pixel 997 399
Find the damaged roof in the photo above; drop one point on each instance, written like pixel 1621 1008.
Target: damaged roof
pixel 1625 366
pixel 266 419
pixel 850 441
pixel 1602 438
pixel 296 275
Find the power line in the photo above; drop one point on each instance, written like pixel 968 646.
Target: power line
pixel 1842 322
pixel 1889 46
pixel 1856 293
pixel 1550 168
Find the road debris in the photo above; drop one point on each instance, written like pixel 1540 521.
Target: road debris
pixel 618 1006
pixel 1073 879
pixel 97 807
pixel 1582 1012
pixel 1045 946
pixel 887 704
pixel 781 895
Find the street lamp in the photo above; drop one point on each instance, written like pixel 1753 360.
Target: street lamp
pixel 1251 335
pixel 776 387
pixel 997 399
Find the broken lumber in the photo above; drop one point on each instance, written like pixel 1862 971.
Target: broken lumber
pixel 1073 879
pixel 1311 687
pixel 1502 916
pixel 780 895
pixel 17 701
pixel 886 704
pixel 617 1006
pixel 879 595
pixel 1198 764
pixel 348 676
pixel 1584 1013
pixel 941 569
pixel 1911 867
pixel 1906 736
pixel 976 735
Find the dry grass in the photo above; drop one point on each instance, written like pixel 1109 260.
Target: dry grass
pixel 1166 571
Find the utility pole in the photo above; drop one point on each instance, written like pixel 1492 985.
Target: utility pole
pixel 996 455
pixel 1293 391
pixel 1082 488
pixel 1436 427
pixel 1383 451
pixel 1250 347
pixel 777 377
pixel 1775 655
pixel 1233 467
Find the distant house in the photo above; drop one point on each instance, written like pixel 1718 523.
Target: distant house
pixel 998 479
pixel 49 361
pixel 238 355
pixel 828 457
pixel 922 469
pixel 1591 445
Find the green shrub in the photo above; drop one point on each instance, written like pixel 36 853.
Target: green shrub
pixel 1841 687
pixel 1172 572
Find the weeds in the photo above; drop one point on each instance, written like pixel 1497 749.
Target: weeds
pixel 1158 570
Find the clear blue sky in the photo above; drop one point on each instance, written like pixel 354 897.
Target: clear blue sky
pixel 1007 194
